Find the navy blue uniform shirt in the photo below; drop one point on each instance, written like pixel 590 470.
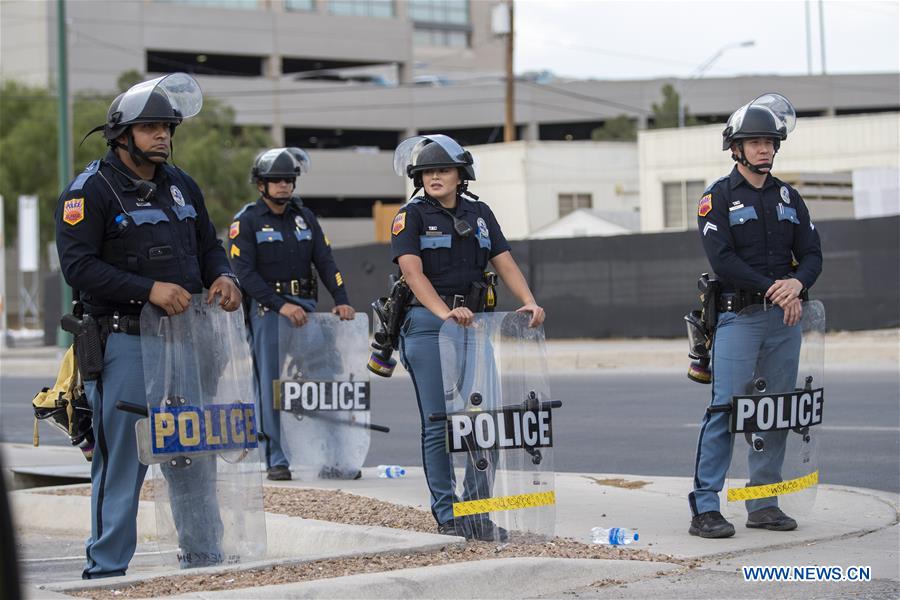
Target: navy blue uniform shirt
pixel 266 248
pixel 751 236
pixel 113 247
pixel 450 262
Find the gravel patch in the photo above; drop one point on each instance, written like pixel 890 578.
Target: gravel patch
pixel 371 563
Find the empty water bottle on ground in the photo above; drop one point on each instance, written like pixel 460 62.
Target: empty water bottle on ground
pixel 617 536
pixel 391 471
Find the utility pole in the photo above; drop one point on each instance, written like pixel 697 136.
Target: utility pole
pixel 64 143
pixel 809 68
pixel 822 34
pixel 509 128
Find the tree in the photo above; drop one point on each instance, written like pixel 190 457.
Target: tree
pixel 666 113
pixel 210 147
pixel 619 129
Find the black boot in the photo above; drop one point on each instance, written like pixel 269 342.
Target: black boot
pixel 711 525
pixel 771 518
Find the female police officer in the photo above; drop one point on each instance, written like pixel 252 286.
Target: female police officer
pixel 132 229
pixel 752 226
pixel 443 242
pixel 275 241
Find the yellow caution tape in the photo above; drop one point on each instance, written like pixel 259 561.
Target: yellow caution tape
pixel 475 507
pixel 773 489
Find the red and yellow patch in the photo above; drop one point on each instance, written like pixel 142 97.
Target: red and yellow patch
pixel 73 211
pixel 399 223
pixel 705 205
pixel 235 230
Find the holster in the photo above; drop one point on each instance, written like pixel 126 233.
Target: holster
pixel 709 288
pixel 89 344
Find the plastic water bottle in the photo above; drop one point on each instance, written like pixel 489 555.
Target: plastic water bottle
pixel 617 536
pixel 391 471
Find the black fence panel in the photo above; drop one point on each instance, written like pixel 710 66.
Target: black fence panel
pixel 642 285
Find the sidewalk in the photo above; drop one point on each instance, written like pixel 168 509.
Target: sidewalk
pixel 875 350
pixel 847 527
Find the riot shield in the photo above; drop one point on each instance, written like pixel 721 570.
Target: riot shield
pixel 323 395
pixel 200 435
pixel 499 427
pixel 775 421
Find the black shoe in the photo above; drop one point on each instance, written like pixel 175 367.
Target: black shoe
pixel 449 528
pixel 771 518
pixel 711 525
pixel 327 472
pixel 484 530
pixel 278 473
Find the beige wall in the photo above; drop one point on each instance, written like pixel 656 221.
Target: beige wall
pixel 521 180
pixel 25 41
pixel 822 144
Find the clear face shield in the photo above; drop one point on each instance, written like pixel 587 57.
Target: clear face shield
pixel 779 106
pixel 406 153
pixel 265 162
pixel 182 91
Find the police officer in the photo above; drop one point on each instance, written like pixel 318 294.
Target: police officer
pixel 132 229
pixel 275 241
pixel 762 245
pixel 443 242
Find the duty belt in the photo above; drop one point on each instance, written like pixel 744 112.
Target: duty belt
pixel 739 300
pixel 303 288
pixel 115 323
pixel 453 301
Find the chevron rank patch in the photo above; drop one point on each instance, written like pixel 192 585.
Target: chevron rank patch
pixel 338 278
pixel 73 211
pixel 235 251
pixel 399 223
pixel 705 205
pixel 234 230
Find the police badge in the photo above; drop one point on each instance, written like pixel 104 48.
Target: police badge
pixel 299 222
pixel 177 196
pixel 785 195
pixel 482 229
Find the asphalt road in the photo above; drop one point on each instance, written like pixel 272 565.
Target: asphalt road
pixel 615 422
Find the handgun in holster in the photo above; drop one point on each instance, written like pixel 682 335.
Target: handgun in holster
pixel 88 341
pixel 389 312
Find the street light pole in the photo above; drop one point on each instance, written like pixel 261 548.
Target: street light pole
pixel 700 70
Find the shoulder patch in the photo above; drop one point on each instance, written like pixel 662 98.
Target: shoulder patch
pixel 234 230
pixel 73 211
pixel 705 205
pixel 399 223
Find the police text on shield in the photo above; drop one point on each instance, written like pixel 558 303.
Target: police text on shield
pixel 769 412
pixel 500 430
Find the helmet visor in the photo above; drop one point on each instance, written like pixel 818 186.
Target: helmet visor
pixel 780 107
pixel 406 153
pixel 282 162
pixel 182 91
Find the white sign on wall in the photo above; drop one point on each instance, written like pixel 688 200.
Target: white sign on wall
pixel 28 234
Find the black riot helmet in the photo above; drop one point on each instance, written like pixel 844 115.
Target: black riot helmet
pixel 279 163
pixel 168 99
pixel 423 152
pixel 769 116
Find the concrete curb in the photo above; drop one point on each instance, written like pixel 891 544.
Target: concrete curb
pixel 297 539
pixel 498 578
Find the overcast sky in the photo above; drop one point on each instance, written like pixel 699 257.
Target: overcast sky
pixel 637 39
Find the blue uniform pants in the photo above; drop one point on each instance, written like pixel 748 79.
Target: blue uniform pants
pixel 420 352
pixel 746 345
pixel 264 337
pixel 117 475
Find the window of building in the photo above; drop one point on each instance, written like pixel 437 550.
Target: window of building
pixel 231 65
pixel 449 38
pixel 362 8
pixel 453 12
pixel 217 3
pixel 569 203
pixel 679 202
pixel 300 5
